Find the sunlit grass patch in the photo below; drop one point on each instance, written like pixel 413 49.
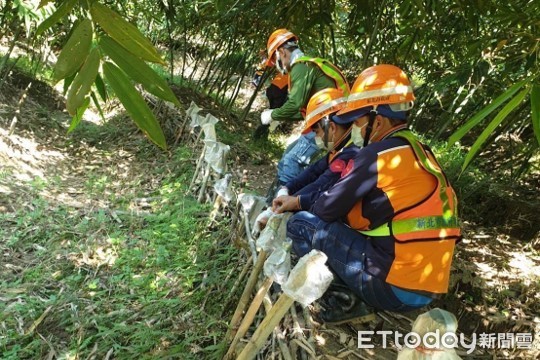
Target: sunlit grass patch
pixel 91 281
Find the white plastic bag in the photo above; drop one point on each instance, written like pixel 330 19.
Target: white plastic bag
pixel 216 155
pixel 223 188
pixel 309 279
pixel 193 113
pixel 208 125
pixel 275 232
pixel 251 206
pixel 278 264
pixel 437 322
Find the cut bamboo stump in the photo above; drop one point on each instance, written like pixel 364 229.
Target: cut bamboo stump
pixel 250 316
pixel 197 168
pixel 308 280
pixel 272 319
pixel 250 285
pixel 204 183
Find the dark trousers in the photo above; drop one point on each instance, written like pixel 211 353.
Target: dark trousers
pixel 346 250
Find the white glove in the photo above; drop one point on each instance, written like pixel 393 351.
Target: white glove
pixel 266 117
pixel 282 192
pixel 273 125
pixel 261 220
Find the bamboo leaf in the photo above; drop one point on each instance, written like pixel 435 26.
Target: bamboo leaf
pixel 124 33
pixel 60 12
pixel 42 3
pixel 134 104
pixel 78 115
pixel 492 126
pixel 479 116
pixel 100 86
pixel 83 82
pixel 535 111
pixel 138 70
pixel 67 82
pixel 96 103
pixel 75 51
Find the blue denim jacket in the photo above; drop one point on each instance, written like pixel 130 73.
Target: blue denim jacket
pixel 296 157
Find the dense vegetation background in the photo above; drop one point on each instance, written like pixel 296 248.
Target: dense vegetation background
pixel 98 280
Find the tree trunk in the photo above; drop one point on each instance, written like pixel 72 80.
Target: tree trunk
pixel 373 35
pixel 8 54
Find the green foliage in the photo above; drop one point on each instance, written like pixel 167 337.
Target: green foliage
pixel 535 111
pixel 129 49
pixel 82 83
pixel 79 112
pixel 62 10
pixel 128 284
pixel 493 124
pixel 75 51
pixel 138 70
pixel 134 104
pixel 485 199
pixel 124 33
pixel 475 120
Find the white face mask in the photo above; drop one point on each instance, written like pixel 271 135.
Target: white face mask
pixel 356 135
pixel 279 64
pixel 320 143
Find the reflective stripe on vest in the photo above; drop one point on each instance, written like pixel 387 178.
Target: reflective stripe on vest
pixel 432 227
pixel 420 224
pixel 329 70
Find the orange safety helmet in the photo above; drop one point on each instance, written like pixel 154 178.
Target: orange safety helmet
pixel 379 85
pixel 278 38
pixel 323 103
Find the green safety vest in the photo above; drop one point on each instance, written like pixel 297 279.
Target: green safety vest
pixel 329 70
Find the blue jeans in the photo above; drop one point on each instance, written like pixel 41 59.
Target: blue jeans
pixel 346 249
pixel 296 157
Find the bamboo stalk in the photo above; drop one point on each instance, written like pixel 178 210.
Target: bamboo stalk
pixel 181 129
pixel 215 210
pixel 298 333
pixel 243 302
pixel 197 168
pixel 250 315
pixel 204 183
pixel 285 352
pixel 273 318
pixel 245 113
pixel 236 284
pixel 18 111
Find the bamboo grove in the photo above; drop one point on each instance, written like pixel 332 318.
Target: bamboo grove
pixel 475 63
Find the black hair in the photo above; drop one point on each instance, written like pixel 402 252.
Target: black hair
pixel 395 122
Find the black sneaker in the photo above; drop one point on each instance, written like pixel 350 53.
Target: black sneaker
pixel 342 306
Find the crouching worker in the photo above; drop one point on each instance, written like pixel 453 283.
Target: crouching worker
pixel 330 137
pixel 389 225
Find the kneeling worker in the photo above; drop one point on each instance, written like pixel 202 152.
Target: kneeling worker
pixel 389 225
pixel 329 136
pixel 318 177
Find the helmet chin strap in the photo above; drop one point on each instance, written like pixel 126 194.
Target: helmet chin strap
pixel 372 114
pixel 326 123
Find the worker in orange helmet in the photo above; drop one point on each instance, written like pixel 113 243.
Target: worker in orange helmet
pixel 276 92
pixel 331 137
pixel 389 225
pixel 307 76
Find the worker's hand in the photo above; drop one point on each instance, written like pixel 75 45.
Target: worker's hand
pixel 260 221
pixel 286 203
pixel 266 117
